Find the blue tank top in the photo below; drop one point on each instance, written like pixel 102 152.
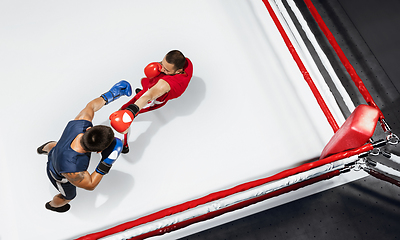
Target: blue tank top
pixel 62 158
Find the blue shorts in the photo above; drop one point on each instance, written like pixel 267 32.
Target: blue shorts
pixel 63 186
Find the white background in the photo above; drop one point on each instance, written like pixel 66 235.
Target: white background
pixel 247 113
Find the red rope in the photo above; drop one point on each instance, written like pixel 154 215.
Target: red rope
pixel 221 194
pixel 303 69
pixel 353 74
pixel 382 176
pixel 237 206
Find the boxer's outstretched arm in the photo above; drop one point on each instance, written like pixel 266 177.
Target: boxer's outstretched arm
pixel 93 106
pixel 133 109
pixel 155 92
pixel 119 89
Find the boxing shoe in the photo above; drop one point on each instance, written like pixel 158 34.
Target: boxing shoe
pixel 61 209
pixel 125 149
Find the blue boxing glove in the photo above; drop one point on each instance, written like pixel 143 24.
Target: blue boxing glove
pixel 118 90
pixel 108 156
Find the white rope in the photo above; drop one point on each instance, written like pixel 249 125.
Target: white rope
pixel 395 158
pixel 386 169
pixel 229 200
pixel 324 59
pixel 308 60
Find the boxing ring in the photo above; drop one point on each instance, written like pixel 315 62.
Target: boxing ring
pixel 214 154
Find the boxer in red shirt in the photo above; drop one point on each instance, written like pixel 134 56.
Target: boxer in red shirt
pixel 165 81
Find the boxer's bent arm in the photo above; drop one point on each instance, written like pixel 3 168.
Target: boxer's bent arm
pixel 155 92
pixel 93 106
pixel 84 179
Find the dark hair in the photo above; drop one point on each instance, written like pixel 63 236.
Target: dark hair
pixel 97 138
pixel 177 58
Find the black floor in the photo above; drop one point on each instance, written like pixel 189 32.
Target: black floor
pixel 368 31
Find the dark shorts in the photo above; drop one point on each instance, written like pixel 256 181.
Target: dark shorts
pixel 63 186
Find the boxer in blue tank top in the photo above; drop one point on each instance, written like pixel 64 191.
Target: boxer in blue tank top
pixel 68 159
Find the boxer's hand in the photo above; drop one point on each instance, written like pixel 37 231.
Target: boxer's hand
pixel 121 120
pixel 118 90
pixel 108 156
pixel 152 70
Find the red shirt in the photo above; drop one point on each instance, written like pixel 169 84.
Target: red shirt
pixel 178 84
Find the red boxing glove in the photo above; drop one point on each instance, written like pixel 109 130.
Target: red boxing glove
pixel 152 70
pixel 121 120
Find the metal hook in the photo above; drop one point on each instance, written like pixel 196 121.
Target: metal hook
pixel 375 151
pixel 392 139
pixel 359 164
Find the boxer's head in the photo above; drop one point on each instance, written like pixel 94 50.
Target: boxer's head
pixel 97 138
pixel 173 63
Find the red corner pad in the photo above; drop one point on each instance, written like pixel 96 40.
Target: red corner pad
pixel 355 132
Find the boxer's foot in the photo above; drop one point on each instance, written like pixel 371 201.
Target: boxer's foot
pixel 61 209
pixel 125 149
pixel 40 149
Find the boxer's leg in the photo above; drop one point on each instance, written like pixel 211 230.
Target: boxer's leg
pixel 66 190
pixel 46 147
pixel 125 148
pixel 58 204
pixel 139 92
